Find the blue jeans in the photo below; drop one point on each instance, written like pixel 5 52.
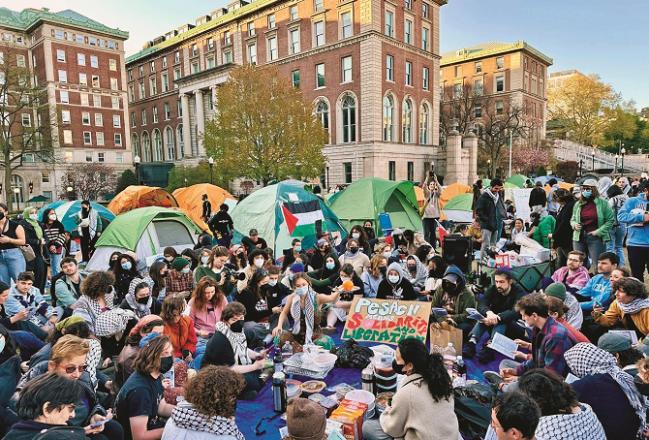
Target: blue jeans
pixel 12 263
pixel 481 328
pixel 201 345
pixel 27 342
pixel 55 262
pixel 617 241
pixel 592 246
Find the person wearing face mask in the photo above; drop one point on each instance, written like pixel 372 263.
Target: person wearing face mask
pixel 357 232
pixel 322 279
pixel 216 269
pixel 180 280
pixel 139 299
pixel 395 285
pixel 228 347
pixel 454 296
pixel 140 406
pixel 293 253
pixel 338 311
pixel 259 317
pixel 436 270
pixel 170 255
pixel 369 231
pixel 426 394
pixel 203 258
pixel 157 280
pixel 592 220
pixel 54 239
pixel 257 259
pixel 372 277
pixel 323 251
pixel 355 257
pixel 124 272
pixel 34 238
pixel 90 228
pixel 416 273
pixel 388 251
pixel 276 291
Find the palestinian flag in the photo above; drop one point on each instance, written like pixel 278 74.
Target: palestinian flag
pixel 302 218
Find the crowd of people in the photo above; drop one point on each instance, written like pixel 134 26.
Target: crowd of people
pixel 165 351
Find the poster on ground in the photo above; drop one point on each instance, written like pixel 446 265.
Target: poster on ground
pixel 386 320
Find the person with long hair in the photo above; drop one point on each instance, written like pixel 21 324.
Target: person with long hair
pixel 357 232
pixel 54 238
pixel 90 228
pixel 562 235
pixel 157 280
pixel 209 407
pixel 216 269
pixel 10 373
pixel 258 311
pixel 338 311
pixel 113 260
pixel 140 406
pixel 322 279
pixel 125 271
pixel 426 394
pixel 12 236
pixel 372 277
pixel 630 307
pixel 179 328
pixel 139 299
pixel 205 306
pixel 34 238
pixel 169 254
pixel 355 257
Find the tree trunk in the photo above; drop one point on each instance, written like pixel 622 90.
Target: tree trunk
pixel 7 183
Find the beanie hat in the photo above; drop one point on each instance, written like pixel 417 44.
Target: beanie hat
pixel 297 267
pixel 306 420
pixel 614 342
pixel 67 322
pixel 148 338
pixel 557 290
pixel 179 263
pixel 142 322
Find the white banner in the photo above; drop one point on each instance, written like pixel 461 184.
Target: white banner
pixel 522 202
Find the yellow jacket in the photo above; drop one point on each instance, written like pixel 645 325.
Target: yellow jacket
pixel 615 314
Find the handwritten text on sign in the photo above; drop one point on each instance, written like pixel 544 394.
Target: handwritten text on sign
pixel 386 320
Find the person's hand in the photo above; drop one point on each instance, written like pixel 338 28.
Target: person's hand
pixel 166 383
pixel 597 312
pixel 109 385
pixel 506 373
pixel 451 321
pixel 646 217
pixel 20 315
pixel 262 354
pixel 592 233
pixel 520 356
pixel 52 248
pixel 97 418
pixel 577 227
pixel 54 319
pixel 276 310
pixel 276 331
pixel 550 236
pixel 523 344
pixel 4 239
pixel 188 358
pixel 259 364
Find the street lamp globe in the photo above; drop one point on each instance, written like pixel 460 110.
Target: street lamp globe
pixel 623 151
pixel 210 160
pixel 69 189
pixel 137 160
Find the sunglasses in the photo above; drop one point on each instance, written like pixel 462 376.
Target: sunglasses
pixel 73 368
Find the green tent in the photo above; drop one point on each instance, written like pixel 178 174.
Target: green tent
pixel 366 198
pixel 283 212
pixel 458 209
pixel 518 180
pixel 146 232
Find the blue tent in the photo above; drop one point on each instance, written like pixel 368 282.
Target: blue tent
pixel 67 210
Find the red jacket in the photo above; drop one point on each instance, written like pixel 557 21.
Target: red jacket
pixel 182 335
pixel 579 336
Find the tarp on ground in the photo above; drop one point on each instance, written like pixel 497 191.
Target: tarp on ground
pixel 366 198
pixel 519 180
pixel 145 231
pixel 458 209
pixel 66 212
pixel 282 212
pixel 190 200
pixel 140 196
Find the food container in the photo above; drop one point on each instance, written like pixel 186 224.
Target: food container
pixel 386 379
pixel 313 386
pixel 324 360
pixel 364 397
pixel 327 403
pixel 293 388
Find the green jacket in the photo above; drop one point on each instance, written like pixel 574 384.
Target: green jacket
pixel 605 219
pixel 466 299
pixel 545 227
pixel 203 271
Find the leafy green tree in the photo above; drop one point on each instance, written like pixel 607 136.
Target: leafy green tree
pixel 126 179
pixel 181 176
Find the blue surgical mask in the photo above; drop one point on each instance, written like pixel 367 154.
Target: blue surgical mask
pixel 301 291
pixel 186 269
pixel 330 265
pixel 127 265
pixel 298 249
pixel 587 194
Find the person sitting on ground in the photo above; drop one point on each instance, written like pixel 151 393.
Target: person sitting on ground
pixel 206 306
pixel 179 278
pixel 610 391
pixel 257 259
pixel 497 305
pixel 388 251
pixel 395 285
pixel 228 347
pixel 323 250
pixel 557 310
pixel 322 279
pixel 45 403
pixel 157 280
pixel 598 291
pixel 179 328
pixel 617 274
pixel 208 410
pixel 357 232
pixel 26 340
pixel 124 273
pixel 217 270
pixel 170 254
pixel 25 299
pixel 124 366
pixel 253 241
pixel 372 277
pixel 67 288
pixel 203 257
pixel 260 318
pixel 474 233
pixel 619 345
pixel 190 255
pixel 139 299
pixel 298 267
pixel 416 273
pixel 355 257
pixel 426 394
pixel 573 316
pixel 514 416
pixel 10 372
pixel 630 308
pixel 140 406
pixel 573 275
pixel 276 291
pixel 436 269
pixel 349 286
pixel 305 419
pixel 562 415
pixel 293 253
pixel 455 297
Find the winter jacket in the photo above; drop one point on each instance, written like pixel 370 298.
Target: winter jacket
pixel 599 290
pixel 562 236
pixel 66 295
pixel 615 315
pixel 605 219
pixel 402 289
pixel 501 305
pixel 632 214
pixel 537 197
pixel 546 226
pixel 182 336
pixel 465 299
pixel 485 211
pixel 29 430
pixel 418 279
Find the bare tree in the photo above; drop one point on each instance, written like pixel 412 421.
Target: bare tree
pixel 89 181
pixel 26 119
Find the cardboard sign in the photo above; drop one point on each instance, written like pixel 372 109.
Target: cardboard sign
pixel 386 320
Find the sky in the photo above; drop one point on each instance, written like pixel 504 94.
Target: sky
pixel 604 37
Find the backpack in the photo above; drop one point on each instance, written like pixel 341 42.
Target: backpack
pixel 53 281
pixel 353 355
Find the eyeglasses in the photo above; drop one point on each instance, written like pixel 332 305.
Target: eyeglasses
pixel 73 368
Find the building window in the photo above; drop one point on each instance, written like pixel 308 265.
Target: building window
pixel 346 68
pixel 408 73
pixel 146 147
pixel 349 119
pixel 64 96
pixel 319 31
pixel 294 40
pixel 176 75
pixel 500 83
pixel 141 90
pixel 84 99
pixel 292 11
pixel 45 177
pixel 227 56
pixel 113 84
pixel 477 110
pixel 388 118
pixel 99 120
pixel 67 137
pixel 389 23
pixel 164 79
pixel 152 66
pixel 295 78
pixel 227 38
pixel 143 117
pixel 89 156
pixel 63 76
pixel 99 136
pixel 169 137
pixel 407 4
pixel 271 21
pixel 119 157
pixel 478 87
pixel 407 31
pixel 457 90
pixel 157 146
pixel 211 63
pixel 425 78
pixel 319 75
pixel 389 67
pixel 87 138
pixel 85 118
pixel 210 43
pixel 346 24
pixel 424 119
pixel 347 171
pixel 133 120
pixel 95 81
pixel 65 116
pixel 20 60
pixel 81 59
pixel 252 53
pixel 26 120
pixel 478 67
pixel 83 79
pixel 424 38
pixel 94 61
pixel 425 10
pixel 167 111
pixel 114 102
pixel 411 171
pixel 500 63
pixel 60 55
pixel 272 48
pixel 251 28
pixel 154 115
pixel 457 71
pixel 112 64
pixel 322 111
pixel 194 50
pixel 176 57
pixel 195 67
pixel 500 108
pixel 318 5
pixel 117 138
pixel 117 121
pixel 392 170
pixel 96 100
pixel 407 121
pixel 101 157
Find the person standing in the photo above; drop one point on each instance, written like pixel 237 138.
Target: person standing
pixel 486 214
pixel 538 198
pixel 616 200
pixel 34 238
pixel 90 228
pixel 55 238
pixel 12 236
pixel 635 215
pixel 562 235
pixel 221 225
pixel 477 192
pixel 432 210
pixel 207 209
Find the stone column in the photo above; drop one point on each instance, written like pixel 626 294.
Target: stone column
pixel 470 142
pixel 187 137
pixel 200 122
pixel 213 92
pixel 453 158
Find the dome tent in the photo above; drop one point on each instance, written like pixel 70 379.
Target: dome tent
pixel 139 196
pixel 190 200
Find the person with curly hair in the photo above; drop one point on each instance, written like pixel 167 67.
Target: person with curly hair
pixel 179 328
pixel 207 413
pixel 426 394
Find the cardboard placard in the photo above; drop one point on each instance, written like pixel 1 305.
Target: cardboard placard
pixel 386 320
pixel 443 333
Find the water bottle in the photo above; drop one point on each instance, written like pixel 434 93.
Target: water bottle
pixel 368 380
pixel 278 361
pixel 287 350
pixel 449 355
pixel 460 367
pixel 279 392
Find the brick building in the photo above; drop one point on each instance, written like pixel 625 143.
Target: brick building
pixel 370 68
pixel 502 76
pixel 80 64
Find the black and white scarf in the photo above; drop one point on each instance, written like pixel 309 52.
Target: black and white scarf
pixel 309 315
pixel 238 343
pixel 634 306
pixel 185 416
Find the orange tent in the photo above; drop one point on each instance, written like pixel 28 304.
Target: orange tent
pixel 421 199
pixel 138 196
pixel 454 189
pixel 564 185
pixel 190 200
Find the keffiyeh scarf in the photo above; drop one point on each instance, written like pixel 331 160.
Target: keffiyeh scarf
pixel 238 343
pixel 139 309
pixel 634 306
pixel 309 315
pixel 185 416
pixel 585 359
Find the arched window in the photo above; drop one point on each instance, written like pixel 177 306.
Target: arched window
pixel 407 121
pixel 157 146
pixel 424 119
pixel 17 185
pixel 171 147
pixel 349 119
pixel 388 118
pixel 135 145
pixel 322 111
pixel 181 143
pixel 146 147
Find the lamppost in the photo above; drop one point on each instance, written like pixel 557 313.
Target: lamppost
pixel 581 165
pixel 489 168
pixel 210 162
pixel 617 156
pixel 69 190
pixel 136 162
pixel 623 152
pixel 31 187
pixel 17 197
pixel 592 155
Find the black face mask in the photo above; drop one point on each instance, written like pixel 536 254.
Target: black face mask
pixel 412 268
pixel 398 368
pixel 449 287
pixel 353 249
pixel 383 270
pixel 166 363
pixel 2 215
pixel 237 327
pixel 143 300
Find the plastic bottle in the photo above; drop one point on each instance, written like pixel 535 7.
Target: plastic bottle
pixel 278 362
pixel 449 355
pixel 287 350
pixel 279 392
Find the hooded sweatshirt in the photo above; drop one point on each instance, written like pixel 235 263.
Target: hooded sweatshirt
pixel 573 281
pixel 464 299
pixel 632 214
pixel 418 279
pixel 599 290
pixel 402 289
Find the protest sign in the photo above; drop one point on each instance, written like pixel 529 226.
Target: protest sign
pixel 386 320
